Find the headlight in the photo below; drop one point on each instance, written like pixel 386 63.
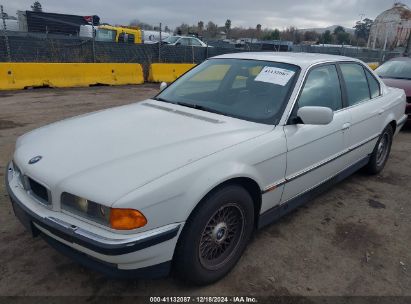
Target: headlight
pixel 116 218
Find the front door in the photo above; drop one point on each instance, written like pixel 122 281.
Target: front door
pixel 314 151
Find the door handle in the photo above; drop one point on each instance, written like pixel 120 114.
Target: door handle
pixel 346 126
pixel 380 111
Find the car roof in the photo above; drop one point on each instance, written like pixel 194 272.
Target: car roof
pixel 304 60
pixel 400 59
pixel 177 36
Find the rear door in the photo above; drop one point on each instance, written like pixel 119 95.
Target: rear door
pixel 366 105
pixel 314 150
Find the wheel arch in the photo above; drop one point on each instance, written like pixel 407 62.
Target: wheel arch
pixel 249 184
pixel 390 121
pixel 393 124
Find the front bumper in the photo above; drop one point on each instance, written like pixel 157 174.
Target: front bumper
pixel 145 254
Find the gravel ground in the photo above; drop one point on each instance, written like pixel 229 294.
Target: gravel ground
pixel 353 240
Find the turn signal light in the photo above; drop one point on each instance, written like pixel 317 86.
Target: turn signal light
pixel 126 219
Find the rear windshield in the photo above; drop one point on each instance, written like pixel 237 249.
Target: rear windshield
pixel 400 69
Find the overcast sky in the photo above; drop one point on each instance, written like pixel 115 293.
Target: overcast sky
pixel 270 13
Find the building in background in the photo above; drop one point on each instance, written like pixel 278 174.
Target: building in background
pixel 391 29
pixel 53 23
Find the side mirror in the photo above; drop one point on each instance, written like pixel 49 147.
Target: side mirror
pixel 163 85
pixel 316 115
pixel 178 43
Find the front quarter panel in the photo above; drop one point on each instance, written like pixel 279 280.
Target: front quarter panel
pixel 173 197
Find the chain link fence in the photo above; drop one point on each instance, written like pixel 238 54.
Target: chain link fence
pixel 42 47
pixel 39 47
pixel 364 54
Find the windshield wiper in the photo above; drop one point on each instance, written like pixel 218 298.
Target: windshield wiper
pixel 201 108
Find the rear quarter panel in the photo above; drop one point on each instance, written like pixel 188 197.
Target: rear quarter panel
pixel 394 109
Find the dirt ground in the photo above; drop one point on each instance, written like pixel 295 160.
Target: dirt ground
pixel 353 240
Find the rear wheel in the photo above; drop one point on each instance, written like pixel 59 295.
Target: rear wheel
pixel 215 236
pixel 381 151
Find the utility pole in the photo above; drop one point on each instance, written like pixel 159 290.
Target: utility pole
pixel 408 47
pixel 93 42
pixel 159 46
pixel 6 39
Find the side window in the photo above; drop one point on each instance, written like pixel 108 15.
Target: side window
pixel 356 83
pixel 374 85
pixel 184 41
pixel 195 42
pixel 322 88
pixel 130 38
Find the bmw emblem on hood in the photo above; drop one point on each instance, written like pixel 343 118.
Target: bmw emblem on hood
pixel 35 159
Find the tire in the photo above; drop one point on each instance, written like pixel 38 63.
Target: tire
pixel 381 152
pixel 215 236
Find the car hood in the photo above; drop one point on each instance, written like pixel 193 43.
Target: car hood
pixel 399 83
pixel 104 155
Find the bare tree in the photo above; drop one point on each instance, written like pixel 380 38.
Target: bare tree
pixel 200 27
pixel 212 29
pixel 227 26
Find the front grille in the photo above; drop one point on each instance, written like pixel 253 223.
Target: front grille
pixel 39 191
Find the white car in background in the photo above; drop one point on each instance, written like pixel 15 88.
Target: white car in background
pixel 183 179
pixel 184 41
pixel 151 37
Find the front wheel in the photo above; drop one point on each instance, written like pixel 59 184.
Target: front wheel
pixel 381 151
pixel 215 236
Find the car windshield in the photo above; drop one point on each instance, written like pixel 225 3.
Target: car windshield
pixel 171 39
pixel 400 69
pixel 247 89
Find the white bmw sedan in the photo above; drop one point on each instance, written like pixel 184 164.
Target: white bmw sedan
pixel 181 181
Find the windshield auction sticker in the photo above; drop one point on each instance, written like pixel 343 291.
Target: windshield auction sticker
pixel 275 75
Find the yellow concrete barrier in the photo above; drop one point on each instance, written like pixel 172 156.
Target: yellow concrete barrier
pixel 167 72
pixel 15 76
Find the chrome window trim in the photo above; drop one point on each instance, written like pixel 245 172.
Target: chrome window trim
pixel 366 78
pixel 286 116
pixel 360 103
pixel 298 92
